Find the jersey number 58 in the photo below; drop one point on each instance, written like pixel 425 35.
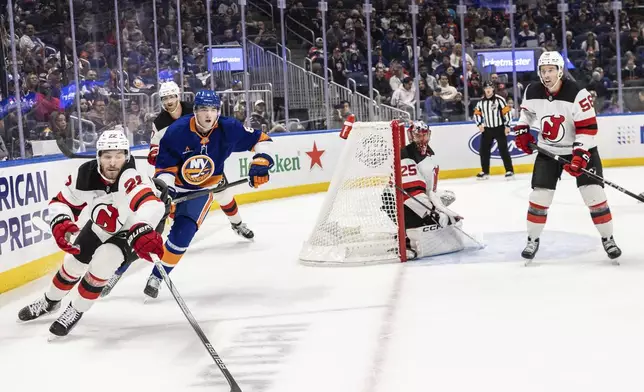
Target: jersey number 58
pixel 586 103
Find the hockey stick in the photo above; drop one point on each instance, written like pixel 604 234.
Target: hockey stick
pixel 586 172
pixel 209 191
pixel 481 246
pixel 202 336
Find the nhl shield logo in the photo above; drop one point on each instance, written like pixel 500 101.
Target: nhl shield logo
pixel 197 169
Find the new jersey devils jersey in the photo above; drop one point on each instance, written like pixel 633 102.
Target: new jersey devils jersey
pixel 564 120
pixel 419 177
pixel 113 208
pixel 163 121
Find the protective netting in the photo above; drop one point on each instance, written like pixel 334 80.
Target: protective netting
pixel 358 222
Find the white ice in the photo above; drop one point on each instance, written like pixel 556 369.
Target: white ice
pixel 474 321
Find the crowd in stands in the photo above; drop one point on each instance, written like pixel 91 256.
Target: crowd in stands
pixel 46 65
pixel 590 34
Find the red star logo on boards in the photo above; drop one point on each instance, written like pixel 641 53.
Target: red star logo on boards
pixel 316 156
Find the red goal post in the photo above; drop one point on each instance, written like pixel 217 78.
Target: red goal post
pixel 361 221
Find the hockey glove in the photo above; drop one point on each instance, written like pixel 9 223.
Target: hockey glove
pixel 144 241
pixel 580 159
pixel 152 155
pixel 259 167
pixel 62 227
pixel 523 138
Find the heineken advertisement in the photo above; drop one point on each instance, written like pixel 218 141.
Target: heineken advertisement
pixel 282 164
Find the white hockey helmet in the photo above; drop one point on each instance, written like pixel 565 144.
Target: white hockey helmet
pixel 112 139
pixel 169 88
pixel 551 58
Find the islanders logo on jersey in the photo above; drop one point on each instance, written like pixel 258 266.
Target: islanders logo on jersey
pixel 552 128
pixel 197 169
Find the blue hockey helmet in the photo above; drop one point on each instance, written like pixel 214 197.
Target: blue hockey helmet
pixel 207 98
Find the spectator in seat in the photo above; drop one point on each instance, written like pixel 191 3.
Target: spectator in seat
pixel 355 65
pixel 570 40
pixel 391 47
pixel 482 41
pixel 405 96
pixel 338 67
pixel 448 93
pixel 456 58
pixel 445 38
pixel 340 114
pixel 631 71
pixel 335 34
pixel 424 92
pixel 381 84
pixel 378 58
pixel 526 35
pixel 45 103
pixel 396 75
pixel 29 42
pixel 259 116
pixel 98 113
pixel 590 45
pixel 431 81
pixel 239 113
pixel 547 36
pixel 633 41
pixel 434 106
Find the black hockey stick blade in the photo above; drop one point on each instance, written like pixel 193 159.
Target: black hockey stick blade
pixel 191 319
pixel 209 191
pixel 587 172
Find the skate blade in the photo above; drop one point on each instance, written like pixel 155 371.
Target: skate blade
pixel 54 338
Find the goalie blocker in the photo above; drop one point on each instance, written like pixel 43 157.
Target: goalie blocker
pixel 364 219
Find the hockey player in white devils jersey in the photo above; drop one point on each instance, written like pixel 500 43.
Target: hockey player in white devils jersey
pixel 173 108
pixel 123 209
pixel 428 231
pixel 564 115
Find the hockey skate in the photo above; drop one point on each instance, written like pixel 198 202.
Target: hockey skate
pixel 110 285
pixel 242 230
pixel 151 289
pixel 66 322
pixel 38 308
pixel 530 250
pixel 612 250
pixel 509 175
pixel 482 176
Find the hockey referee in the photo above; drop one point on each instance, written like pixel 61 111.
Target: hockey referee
pixel 492 116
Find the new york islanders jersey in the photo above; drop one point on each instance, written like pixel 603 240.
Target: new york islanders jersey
pixel 190 161
pixel 564 120
pixel 419 177
pixel 113 208
pixel 164 120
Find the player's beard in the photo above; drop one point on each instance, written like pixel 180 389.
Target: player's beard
pixel 110 172
pixel 553 87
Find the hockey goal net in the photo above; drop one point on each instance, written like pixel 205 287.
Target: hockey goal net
pixel 361 220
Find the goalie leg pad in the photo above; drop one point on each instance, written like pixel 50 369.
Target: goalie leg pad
pixel 595 198
pixel 540 200
pixel 181 234
pixel 434 240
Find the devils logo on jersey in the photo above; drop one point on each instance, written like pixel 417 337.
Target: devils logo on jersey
pixel 552 128
pixel 106 217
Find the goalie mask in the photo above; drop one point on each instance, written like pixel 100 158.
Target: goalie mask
pixel 419 134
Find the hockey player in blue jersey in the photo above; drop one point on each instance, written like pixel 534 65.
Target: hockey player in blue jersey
pixel 191 158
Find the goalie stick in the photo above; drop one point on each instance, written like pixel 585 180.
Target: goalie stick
pixel 191 319
pixel 587 172
pixel 481 246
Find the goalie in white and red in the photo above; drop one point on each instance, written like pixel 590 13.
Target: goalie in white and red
pixel 124 209
pixel 428 230
pixel 564 115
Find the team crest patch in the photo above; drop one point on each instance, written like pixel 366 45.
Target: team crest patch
pixel 197 169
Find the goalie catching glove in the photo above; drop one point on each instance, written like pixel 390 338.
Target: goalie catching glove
pixel 62 227
pixel 144 240
pixel 580 159
pixel 259 167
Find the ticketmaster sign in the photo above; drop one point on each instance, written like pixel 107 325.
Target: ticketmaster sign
pixel 502 60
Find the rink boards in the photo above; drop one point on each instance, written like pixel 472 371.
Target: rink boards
pixel 304 163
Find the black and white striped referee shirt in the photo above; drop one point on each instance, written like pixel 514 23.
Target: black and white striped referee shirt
pixel 492 112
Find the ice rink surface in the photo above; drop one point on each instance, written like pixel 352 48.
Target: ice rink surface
pixel 471 321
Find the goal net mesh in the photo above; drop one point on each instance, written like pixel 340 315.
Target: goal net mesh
pixel 358 222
